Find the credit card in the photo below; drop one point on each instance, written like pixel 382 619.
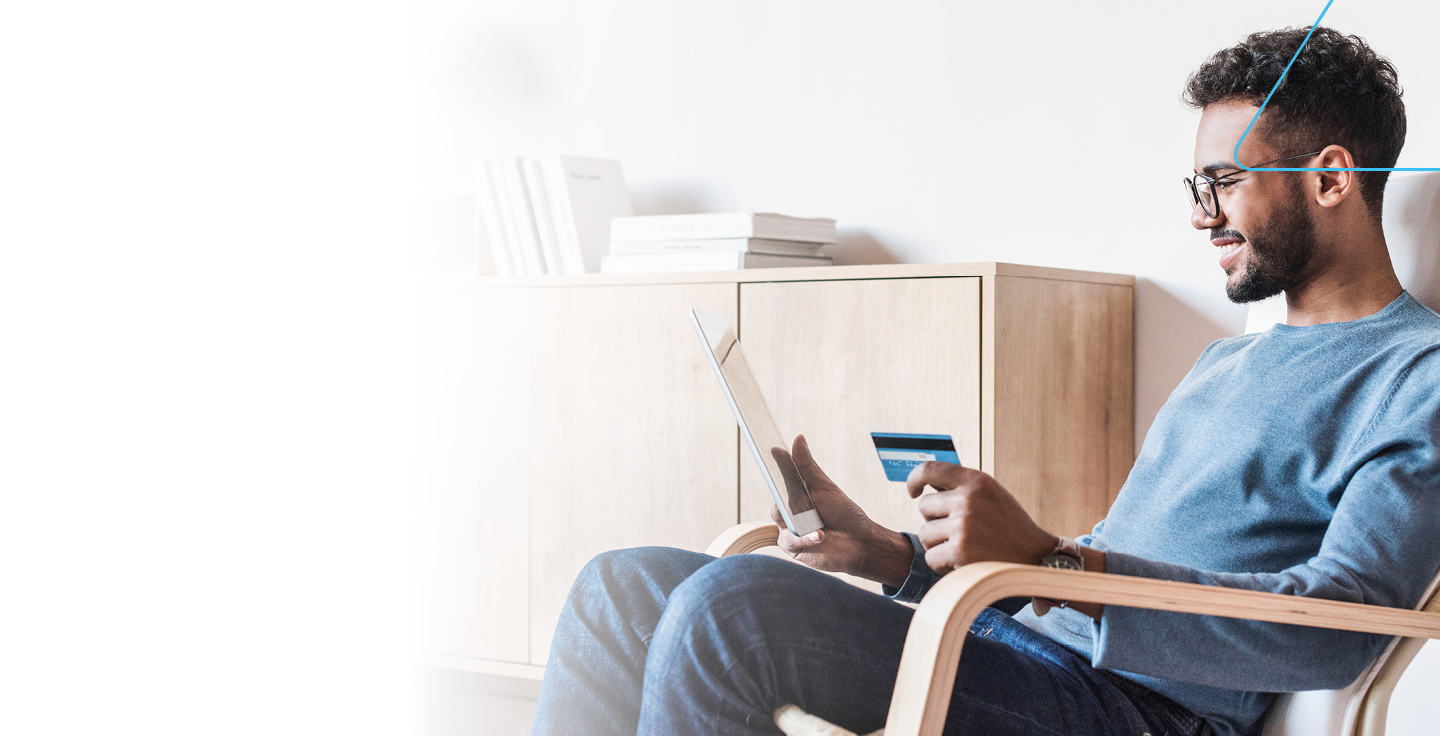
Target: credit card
pixel 900 453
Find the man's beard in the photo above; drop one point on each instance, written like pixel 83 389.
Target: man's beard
pixel 1280 252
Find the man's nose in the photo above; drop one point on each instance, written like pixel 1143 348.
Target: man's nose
pixel 1202 221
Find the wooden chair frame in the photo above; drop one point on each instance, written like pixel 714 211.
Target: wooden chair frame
pixel 937 633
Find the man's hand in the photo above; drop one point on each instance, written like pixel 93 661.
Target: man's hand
pixel 851 541
pixel 973 519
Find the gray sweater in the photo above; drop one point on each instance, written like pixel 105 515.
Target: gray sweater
pixel 1302 461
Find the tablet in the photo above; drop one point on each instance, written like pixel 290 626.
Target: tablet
pixel 770 449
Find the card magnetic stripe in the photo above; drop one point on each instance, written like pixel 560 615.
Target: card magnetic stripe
pixel 932 442
pixel 900 453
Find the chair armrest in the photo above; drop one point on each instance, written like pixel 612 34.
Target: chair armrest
pixel 937 633
pixel 742 538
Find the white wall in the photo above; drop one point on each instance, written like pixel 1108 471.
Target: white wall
pixel 933 131
pixel 1044 133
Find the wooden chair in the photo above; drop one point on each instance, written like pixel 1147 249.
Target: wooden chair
pixel 932 648
pixel 937 633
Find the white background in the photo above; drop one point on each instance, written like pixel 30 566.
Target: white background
pixel 205 393
pixel 1045 133
pixel 204 396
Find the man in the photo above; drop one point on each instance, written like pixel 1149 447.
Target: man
pixel 1303 460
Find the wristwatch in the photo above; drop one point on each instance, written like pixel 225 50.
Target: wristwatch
pixel 1065 556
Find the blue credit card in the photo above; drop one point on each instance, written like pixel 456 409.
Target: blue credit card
pixel 900 453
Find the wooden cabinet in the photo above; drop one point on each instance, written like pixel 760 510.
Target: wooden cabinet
pixel 566 416
pixel 1059 413
pixel 838 360
pixel 473 535
pixel 630 441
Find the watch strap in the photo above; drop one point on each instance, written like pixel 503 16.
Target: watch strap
pixel 1069 548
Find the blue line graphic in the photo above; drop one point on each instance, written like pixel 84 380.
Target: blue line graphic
pixel 1280 81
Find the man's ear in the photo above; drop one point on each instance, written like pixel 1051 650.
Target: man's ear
pixel 1333 187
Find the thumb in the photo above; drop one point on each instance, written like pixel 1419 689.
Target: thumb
pixel 805 463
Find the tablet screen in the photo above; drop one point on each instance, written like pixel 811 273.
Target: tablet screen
pixel 770 448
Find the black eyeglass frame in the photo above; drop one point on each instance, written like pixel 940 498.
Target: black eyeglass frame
pixel 1193 189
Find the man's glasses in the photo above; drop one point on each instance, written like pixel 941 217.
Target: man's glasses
pixel 1201 188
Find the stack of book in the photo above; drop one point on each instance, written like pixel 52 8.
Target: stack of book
pixel 716 242
pixel 550 215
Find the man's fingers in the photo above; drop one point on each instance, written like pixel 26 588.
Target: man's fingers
pixel 939 560
pixel 809 469
pixel 943 476
pixel 942 504
pixel 935 534
pixel 793 545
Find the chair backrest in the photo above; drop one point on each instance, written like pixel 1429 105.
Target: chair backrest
pixel 1360 708
pixel 1412 230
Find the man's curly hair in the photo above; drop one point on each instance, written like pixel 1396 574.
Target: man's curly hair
pixel 1338 92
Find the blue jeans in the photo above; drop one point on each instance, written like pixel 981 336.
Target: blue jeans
pixel 672 643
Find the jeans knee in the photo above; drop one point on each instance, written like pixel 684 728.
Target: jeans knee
pixel 639 563
pixel 737 591
pixel 723 624
pixel 615 564
pixel 642 573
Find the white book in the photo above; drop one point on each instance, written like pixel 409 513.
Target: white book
pixel 730 245
pixel 562 218
pixel 562 215
pixel 584 195
pixel 507 217
pixel 488 210
pixel 703 261
pixel 524 217
pixel 544 225
pixel 723 225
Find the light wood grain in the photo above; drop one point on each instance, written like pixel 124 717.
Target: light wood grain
pixel 579 415
pixel 473 503
pixel 1367 708
pixel 838 360
pixel 1375 706
pixel 631 440
pixel 937 633
pixel 1059 400
pixel 747 536
pixel 888 271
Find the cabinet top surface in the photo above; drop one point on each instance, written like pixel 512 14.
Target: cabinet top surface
pixel 812 273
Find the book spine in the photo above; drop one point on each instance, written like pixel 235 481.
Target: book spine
pixel 507 217
pixel 722 245
pixel 489 213
pixel 771 260
pixel 728 245
pixel 562 215
pixel 524 218
pixel 789 228
pixel 712 261
pixel 671 262
pixel 544 225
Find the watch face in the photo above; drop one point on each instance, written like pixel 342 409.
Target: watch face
pixel 1062 561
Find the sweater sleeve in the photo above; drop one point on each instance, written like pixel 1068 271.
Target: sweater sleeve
pixel 1380 548
pixel 918 582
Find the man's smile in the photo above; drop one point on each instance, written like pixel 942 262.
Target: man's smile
pixel 1229 242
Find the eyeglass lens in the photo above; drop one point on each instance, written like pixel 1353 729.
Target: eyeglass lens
pixel 1200 191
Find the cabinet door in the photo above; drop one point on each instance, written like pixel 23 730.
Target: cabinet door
pixel 1064 433
pixel 631 440
pixel 838 360
pixel 472 556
